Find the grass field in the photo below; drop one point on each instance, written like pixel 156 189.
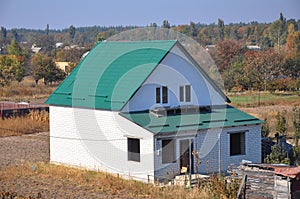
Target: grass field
pixel 27 90
pixel 253 99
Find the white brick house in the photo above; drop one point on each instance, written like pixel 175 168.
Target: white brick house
pixel 145 109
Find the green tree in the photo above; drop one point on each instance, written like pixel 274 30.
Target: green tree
pixel 11 68
pixel 291 68
pixel 3 32
pixel 265 130
pixel 15 33
pixel 47 29
pixel 14 48
pixel 72 31
pixel 277 31
pixel 297 155
pixel 221 29
pixel 281 125
pixel 277 156
pixel 153 25
pixel 166 24
pixel 193 29
pixel 296 124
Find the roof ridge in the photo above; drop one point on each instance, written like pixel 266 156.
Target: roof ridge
pixel 137 41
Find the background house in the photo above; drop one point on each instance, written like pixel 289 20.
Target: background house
pixel 64 66
pixel 146 109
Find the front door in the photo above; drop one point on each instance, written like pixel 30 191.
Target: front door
pixel 186 159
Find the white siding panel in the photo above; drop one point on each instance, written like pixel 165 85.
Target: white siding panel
pixel 97 139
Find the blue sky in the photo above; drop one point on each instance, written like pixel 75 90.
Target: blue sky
pixel 63 13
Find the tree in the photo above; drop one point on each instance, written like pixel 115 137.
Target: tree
pixel 281 125
pixel 221 28
pixel 193 29
pixel 226 52
pixel 47 43
pixel 15 34
pixel 44 67
pixel 291 68
pixel 100 36
pixel 265 66
pixel 153 25
pixel 265 130
pixel 277 32
pixel 72 31
pixel 166 24
pixel 293 45
pixel 277 156
pixel 14 48
pixel 47 29
pixel 296 124
pixel 11 68
pixel 3 33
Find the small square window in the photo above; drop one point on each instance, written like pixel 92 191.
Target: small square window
pixel 133 149
pixel 237 143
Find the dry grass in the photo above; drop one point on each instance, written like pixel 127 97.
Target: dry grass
pixel 270 112
pixel 91 182
pixel 34 122
pixel 25 91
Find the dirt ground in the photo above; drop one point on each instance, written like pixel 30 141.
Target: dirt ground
pixel 16 150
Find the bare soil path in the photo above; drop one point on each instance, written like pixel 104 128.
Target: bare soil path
pixel 30 148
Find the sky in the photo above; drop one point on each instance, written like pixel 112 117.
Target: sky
pixel 60 14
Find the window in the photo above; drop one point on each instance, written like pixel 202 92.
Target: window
pixel 162 94
pixel 237 143
pixel 168 151
pixel 185 93
pixel 158 95
pixel 188 93
pixel 133 149
pixel 181 94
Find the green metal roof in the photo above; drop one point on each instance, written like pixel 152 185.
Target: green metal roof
pixel 223 116
pixel 110 74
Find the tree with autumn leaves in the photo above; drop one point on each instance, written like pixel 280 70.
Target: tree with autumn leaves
pixel 266 69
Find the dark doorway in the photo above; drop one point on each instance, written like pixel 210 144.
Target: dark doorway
pixel 186 158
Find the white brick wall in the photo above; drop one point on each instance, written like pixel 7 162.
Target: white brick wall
pixel 207 146
pixel 97 139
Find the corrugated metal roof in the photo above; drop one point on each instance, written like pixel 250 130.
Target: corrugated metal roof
pixel 110 74
pixel 288 171
pixel 223 116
